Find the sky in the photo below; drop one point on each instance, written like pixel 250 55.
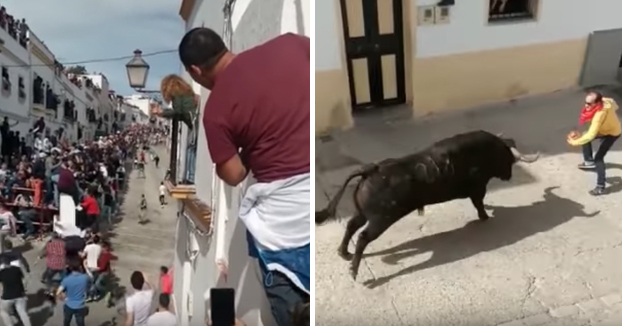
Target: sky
pixel 80 30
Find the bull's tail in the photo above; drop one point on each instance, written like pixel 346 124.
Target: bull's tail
pixel 330 211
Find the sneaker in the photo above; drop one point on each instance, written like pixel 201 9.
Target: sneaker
pixel 587 165
pixel 597 191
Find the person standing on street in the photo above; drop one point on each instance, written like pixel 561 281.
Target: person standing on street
pixel 91 255
pixel 8 224
pixel 162 196
pixel 15 257
pixel 138 304
pixel 260 103
pixel 604 125
pixel 73 289
pixel 54 253
pixel 13 293
pixel 163 317
pixel 143 210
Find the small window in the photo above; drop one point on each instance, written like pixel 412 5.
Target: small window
pixel 511 10
pixel 5 73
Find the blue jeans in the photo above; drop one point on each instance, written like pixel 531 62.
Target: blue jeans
pixel 191 157
pixel 599 163
pixel 107 214
pixel 69 313
pixel 97 286
pixel 283 296
pixel 27 215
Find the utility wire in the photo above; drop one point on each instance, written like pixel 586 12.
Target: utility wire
pixel 94 60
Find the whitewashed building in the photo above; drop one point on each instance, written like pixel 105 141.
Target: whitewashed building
pixel 14 88
pixel 442 55
pixel 208 228
pixel 34 84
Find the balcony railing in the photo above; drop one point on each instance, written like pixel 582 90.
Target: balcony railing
pixel 17 29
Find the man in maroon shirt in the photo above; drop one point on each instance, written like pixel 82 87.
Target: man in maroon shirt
pixel 67 182
pixel 257 119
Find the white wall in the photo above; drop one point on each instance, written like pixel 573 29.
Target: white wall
pixel 254 23
pixel 327 35
pixel 559 20
pixel 140 101
pixel 11 105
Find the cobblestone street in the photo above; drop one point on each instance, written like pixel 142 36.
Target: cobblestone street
pixel 549 256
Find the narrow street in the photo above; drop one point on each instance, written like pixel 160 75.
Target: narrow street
pixel 138 247
pixel 548 256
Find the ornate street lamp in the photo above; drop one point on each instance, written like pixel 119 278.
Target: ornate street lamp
pixel 137 70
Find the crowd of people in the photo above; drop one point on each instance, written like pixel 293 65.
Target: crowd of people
pixel 18 29
pixel 33 178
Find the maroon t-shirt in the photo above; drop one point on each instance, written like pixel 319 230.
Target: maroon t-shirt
pixel 260 103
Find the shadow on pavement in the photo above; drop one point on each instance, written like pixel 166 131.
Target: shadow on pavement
pixel 508 226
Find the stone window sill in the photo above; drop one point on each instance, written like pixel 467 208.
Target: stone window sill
pixel 199 212
pixel 180 191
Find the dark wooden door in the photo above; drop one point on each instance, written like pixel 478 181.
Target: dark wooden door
pixel 374 42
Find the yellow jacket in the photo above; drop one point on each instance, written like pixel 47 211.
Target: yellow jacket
pixel 604 123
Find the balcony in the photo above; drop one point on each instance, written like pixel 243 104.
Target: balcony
pixel 69 111
pixel 6 81
pixel 15 28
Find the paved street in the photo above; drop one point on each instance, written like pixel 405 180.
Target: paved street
pixel 139 247
pixel 549 256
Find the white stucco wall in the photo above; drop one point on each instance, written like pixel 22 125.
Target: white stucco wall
pixel 327 35
pixel 11 105
pixel 254 22
pixel 558 20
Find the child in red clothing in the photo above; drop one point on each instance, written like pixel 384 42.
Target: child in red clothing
pixel 166 281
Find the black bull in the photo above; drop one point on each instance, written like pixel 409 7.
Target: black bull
pixel 457 167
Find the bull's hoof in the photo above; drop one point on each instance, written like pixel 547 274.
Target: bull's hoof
pixel 345 254
pixel 354 272
pixel 483 217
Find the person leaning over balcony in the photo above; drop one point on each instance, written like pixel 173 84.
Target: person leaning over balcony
pixel 259 102
pixel 184 102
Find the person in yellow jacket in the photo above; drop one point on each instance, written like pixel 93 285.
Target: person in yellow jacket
pixel 604 125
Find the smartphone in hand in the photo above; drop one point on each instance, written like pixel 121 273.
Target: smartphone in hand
pixel 222 302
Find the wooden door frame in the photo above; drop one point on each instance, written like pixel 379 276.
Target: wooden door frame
pixel 399 9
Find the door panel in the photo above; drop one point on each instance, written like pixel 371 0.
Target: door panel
pixel 360 74
pixel 389 77
pixel 374 46
pixel 385 17
pixel 356 20
pixel 602 58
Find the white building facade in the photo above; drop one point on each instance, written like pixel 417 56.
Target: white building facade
pixel 427 53
pixel 208 229
pixel 15 95
pixel 34 85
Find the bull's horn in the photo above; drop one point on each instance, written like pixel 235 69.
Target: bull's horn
pixel 524 158
pixel 500 135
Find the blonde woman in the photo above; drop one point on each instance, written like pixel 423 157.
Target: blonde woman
pixel 179 93
pixel 184 102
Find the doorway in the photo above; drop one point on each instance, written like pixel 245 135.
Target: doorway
pixel 374 45
pixel 603 59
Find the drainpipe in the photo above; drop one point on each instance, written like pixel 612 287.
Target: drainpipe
pixel 219 187
pixel 174 144
pixel 31 100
